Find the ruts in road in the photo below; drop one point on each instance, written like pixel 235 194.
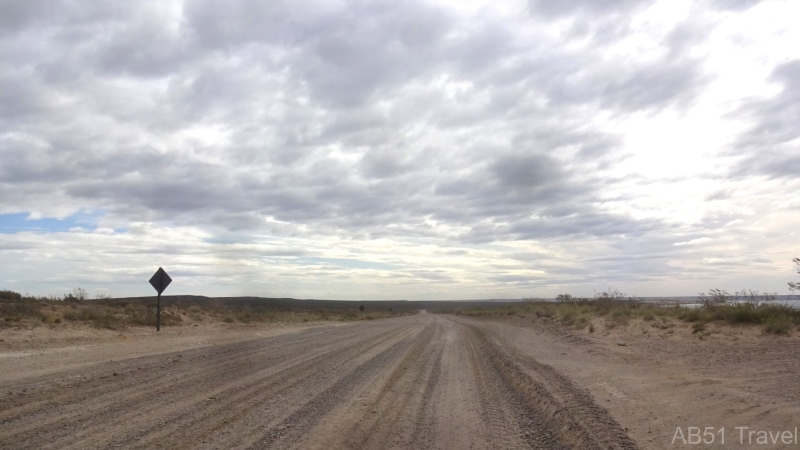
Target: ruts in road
pixel 414 382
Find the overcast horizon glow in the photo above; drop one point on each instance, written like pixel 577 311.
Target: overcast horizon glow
pixel 399 150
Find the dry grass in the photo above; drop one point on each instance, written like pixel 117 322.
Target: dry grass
pixel 22 311
pixel 616 310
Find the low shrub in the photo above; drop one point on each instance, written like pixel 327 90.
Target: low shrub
pixel 692 315
pixel 568 317
pixel 10 296
pixel 778 324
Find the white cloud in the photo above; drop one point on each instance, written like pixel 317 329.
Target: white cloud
pixel 414 149
pixel 692 242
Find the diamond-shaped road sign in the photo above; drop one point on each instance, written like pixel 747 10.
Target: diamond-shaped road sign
pixel 160 280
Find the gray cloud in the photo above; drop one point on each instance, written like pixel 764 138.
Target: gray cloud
pixel 569 7
pixel 581 223
pixel 769 147
pixel 405 121
pixel 735 5
pixel 286 82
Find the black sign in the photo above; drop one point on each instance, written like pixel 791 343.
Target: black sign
pixel 160 280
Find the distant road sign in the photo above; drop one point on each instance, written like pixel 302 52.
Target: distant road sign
pixel 160 280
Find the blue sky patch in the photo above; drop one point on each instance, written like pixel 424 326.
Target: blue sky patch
pixel 15 223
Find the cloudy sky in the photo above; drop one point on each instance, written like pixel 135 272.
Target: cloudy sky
pixel 399 150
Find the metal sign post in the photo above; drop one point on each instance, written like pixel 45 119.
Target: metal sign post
pixel 160 281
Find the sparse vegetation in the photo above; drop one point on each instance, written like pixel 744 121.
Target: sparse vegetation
pixel 615 309
pixel 21 311
pixel 779 324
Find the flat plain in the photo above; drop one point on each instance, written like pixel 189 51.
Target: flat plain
pixel 424 381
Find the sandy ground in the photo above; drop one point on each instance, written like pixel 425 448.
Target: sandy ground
pixel 661 380
pixel 42 350
pixel 424 381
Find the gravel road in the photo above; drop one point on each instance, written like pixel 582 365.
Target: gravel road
pixel 419 382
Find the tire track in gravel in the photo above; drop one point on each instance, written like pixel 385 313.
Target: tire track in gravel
pixel 114 400
pixel 297 387
pixel 425 426
pixel 84 412
pixel 389 420
pixel 58 392
pixel 452 414
pixel 577 403
pixel 500 420
pixel 551 411
pixel 266 390
pixel 301 421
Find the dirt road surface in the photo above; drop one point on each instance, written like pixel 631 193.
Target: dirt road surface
pixel 417 382
pixel 423 381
